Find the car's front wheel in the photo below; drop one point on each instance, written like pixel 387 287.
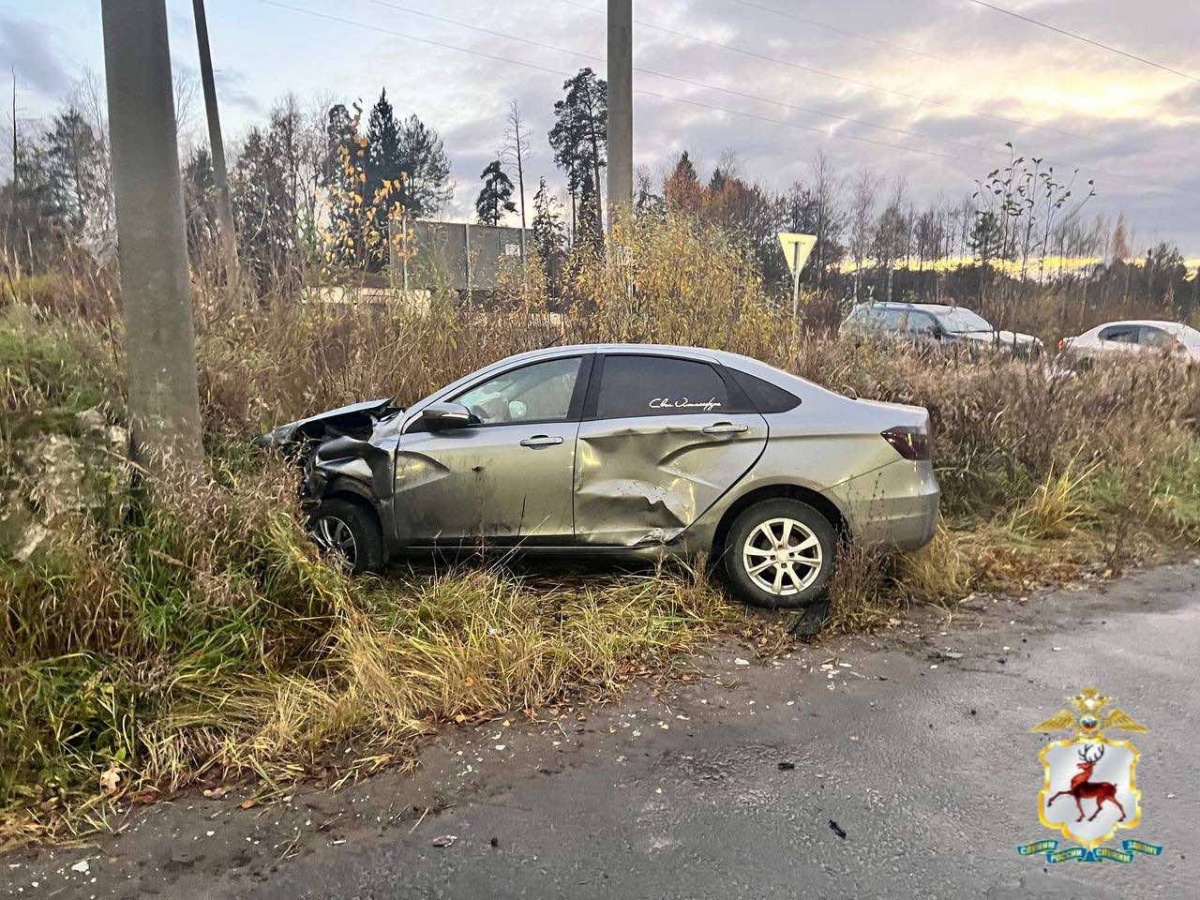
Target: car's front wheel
pixel 780 554
pixel 346 534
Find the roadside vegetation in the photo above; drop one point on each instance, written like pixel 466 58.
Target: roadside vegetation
pixel 159 634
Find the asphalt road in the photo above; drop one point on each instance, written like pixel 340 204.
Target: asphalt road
pixel 925 763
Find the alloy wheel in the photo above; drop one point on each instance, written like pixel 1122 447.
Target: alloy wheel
pixel 335 539
pixel 782 556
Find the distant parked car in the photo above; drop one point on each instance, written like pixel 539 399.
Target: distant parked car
pixel 934 323
pixel 1138 336
pixel 624 450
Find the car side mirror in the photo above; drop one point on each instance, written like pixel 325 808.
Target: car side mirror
pixel 444 416
pixel 934 331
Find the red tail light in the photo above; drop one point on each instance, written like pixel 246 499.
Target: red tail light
pixel 910 441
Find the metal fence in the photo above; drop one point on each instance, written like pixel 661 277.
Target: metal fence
pixel 454 255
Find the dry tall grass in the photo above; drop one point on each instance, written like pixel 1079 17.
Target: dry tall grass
pixel 187 631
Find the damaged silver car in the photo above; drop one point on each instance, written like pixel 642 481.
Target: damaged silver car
pixel 626 450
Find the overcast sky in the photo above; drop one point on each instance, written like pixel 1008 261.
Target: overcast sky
pixel 936 86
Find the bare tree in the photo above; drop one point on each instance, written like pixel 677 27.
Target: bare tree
pixel 89 98
pixel 892 233
pixel 862 221
pixel 830 219
pixel 516 146
pixel 186 87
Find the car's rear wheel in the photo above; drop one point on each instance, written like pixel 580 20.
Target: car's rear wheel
pixel 347 535
pixel 780 554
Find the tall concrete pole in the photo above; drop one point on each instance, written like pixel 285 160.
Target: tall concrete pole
pixel 620 108
pixel 164 404
pixel 224 202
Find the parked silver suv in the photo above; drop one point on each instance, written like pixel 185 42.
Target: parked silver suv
pixel 628 450
pixel 952 327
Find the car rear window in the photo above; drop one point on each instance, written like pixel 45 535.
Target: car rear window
pixel 766 397
pixel 659 386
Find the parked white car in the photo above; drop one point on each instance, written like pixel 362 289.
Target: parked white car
pixel 1136 336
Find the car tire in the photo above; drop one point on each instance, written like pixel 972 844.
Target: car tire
pixel 348 531
pixel 770 551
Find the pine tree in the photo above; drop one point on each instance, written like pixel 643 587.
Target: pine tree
pixel 495 198
pixel 579 135
pixel 384 160
pixel 199 202
pixel 682 191
pixel 548 237
pixel 647 204
pixel 74 160
pixel 591 229
pixel 427 185
pixel 29 196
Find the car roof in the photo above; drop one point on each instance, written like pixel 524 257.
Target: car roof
pixel 1153 323
pixel 920 307
pixel 663 349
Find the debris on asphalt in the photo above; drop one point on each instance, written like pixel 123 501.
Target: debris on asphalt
pixel 445 840
pixel 786 766
pixel 837 829
pixel 81 867
pixel 495 842
pixel 944 655
pixel 741 662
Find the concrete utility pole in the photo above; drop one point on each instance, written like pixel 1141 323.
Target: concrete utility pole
pixel 164 403
pixel 217 145
pixel 620 108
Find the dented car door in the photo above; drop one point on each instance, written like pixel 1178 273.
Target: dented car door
pixel 507 477
pixel 662 439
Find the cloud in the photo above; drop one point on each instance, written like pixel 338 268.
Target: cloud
pixel 935 88
pixel 235 88
pixel 25 48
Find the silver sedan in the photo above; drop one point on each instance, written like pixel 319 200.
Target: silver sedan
pixel 625 450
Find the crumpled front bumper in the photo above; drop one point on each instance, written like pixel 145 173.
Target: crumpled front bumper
pixel 895 507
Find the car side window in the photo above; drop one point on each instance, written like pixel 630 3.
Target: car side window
pixel 868 318
pixel 921 323
pixel 1150 336
pixel 1121 334
pixel 659 386
pixel 766 397
pixel 540 392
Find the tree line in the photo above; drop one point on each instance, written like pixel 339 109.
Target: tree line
pixel 323 188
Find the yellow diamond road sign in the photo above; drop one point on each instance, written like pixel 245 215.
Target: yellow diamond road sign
pixel 797 248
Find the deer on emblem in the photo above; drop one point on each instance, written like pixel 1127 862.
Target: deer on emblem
pixel 1082 787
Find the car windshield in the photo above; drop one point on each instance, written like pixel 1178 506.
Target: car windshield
pixel 961 321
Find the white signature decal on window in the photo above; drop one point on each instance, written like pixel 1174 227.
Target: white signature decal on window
pixel 685 403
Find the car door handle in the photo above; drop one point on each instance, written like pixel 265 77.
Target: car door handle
pixel 726 428
pixel 541 440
